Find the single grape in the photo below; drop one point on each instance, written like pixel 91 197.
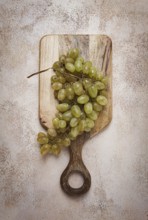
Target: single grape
pixel 102 100
pixel 87 129
pixel 86 69
pixel 88 63
pixel 61 94
pixel 69 60
pixel 81 125
pixel 73 53
pixel 86 83
pixel 43 140
pixel 104 93
pixel 56 65
pixel 76 111
pixel 74 122
pixel 78 88
pixel 57 86
pixel 70 67
pixel 70 93
pixel 62 124
pixel 62 59
pixel 66 142
pixel 41 134
pixel 46 148
pixel 92 91
pixel 61 70
pixel 93 115
pixel 56 149
pixel 92 72
pixel 83 99
pixel 99 76
pixel 81 59
pixel 63 107
pixel 89 123
pixel 67 115
pixel 59 115
pixel 105 80
pixel 97 107
pixel 88 108
pixel 99 85
pixel 55 122
pixel 52 132
pixel 78 66
pixel 61 79
pixel 54 79
pixel 74 131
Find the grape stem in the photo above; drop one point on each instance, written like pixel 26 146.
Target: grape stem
pixel 36 73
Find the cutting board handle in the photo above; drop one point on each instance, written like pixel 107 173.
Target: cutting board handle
pixel 76 165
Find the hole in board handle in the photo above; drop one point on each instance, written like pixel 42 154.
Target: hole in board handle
pixel 76 180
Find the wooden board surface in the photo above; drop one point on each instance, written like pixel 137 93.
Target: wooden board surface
pixel 97 48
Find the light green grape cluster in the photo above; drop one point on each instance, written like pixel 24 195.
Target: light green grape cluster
pixel 82 93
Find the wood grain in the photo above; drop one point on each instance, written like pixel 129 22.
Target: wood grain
pixel 98 49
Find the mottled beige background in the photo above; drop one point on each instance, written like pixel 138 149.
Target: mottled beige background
pixel 117 158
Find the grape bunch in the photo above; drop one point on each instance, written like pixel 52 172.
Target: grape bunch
pixel 81 92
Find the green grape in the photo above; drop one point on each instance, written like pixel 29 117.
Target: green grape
pixel 62 59
pixel 61 94
pixel 83 115
pixel 46 148
pixel 78 88
pixel 61 70
pixel 76 111
pixel 93 115
pixel 59 115
pixel 57 86
pixel 74 132
pixel 73 53
pixel 61 79
pixel 104 93
pixel 56 149
pixel 81 59
pixel 55 122
pixel 97 107
pixel 63 107
pixel 82 125
pixel 99 85
pixel 52 132
pixel 83 99
pixel 105 80
pixel 62 124
pixel 66 142
pixel 54 79
pixel 43 140
pixel 56 65
pixel 92 72
pixel 69 60
pixel 41 134
pixel 59 142
pixel 74 122
pixel 70 67
pixel 88 63
pixel 92 91
pixel 86 69
pixel 70 93
pixel 87 129
pixel 86 83
pixel 78 66
pixel 89 123
pixel 88 108
pixel 99 76
pixel 67 115
pixel 102 100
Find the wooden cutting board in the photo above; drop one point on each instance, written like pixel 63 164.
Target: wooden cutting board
pixel 98 49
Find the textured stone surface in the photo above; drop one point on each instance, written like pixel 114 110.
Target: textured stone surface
pixel 117 157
